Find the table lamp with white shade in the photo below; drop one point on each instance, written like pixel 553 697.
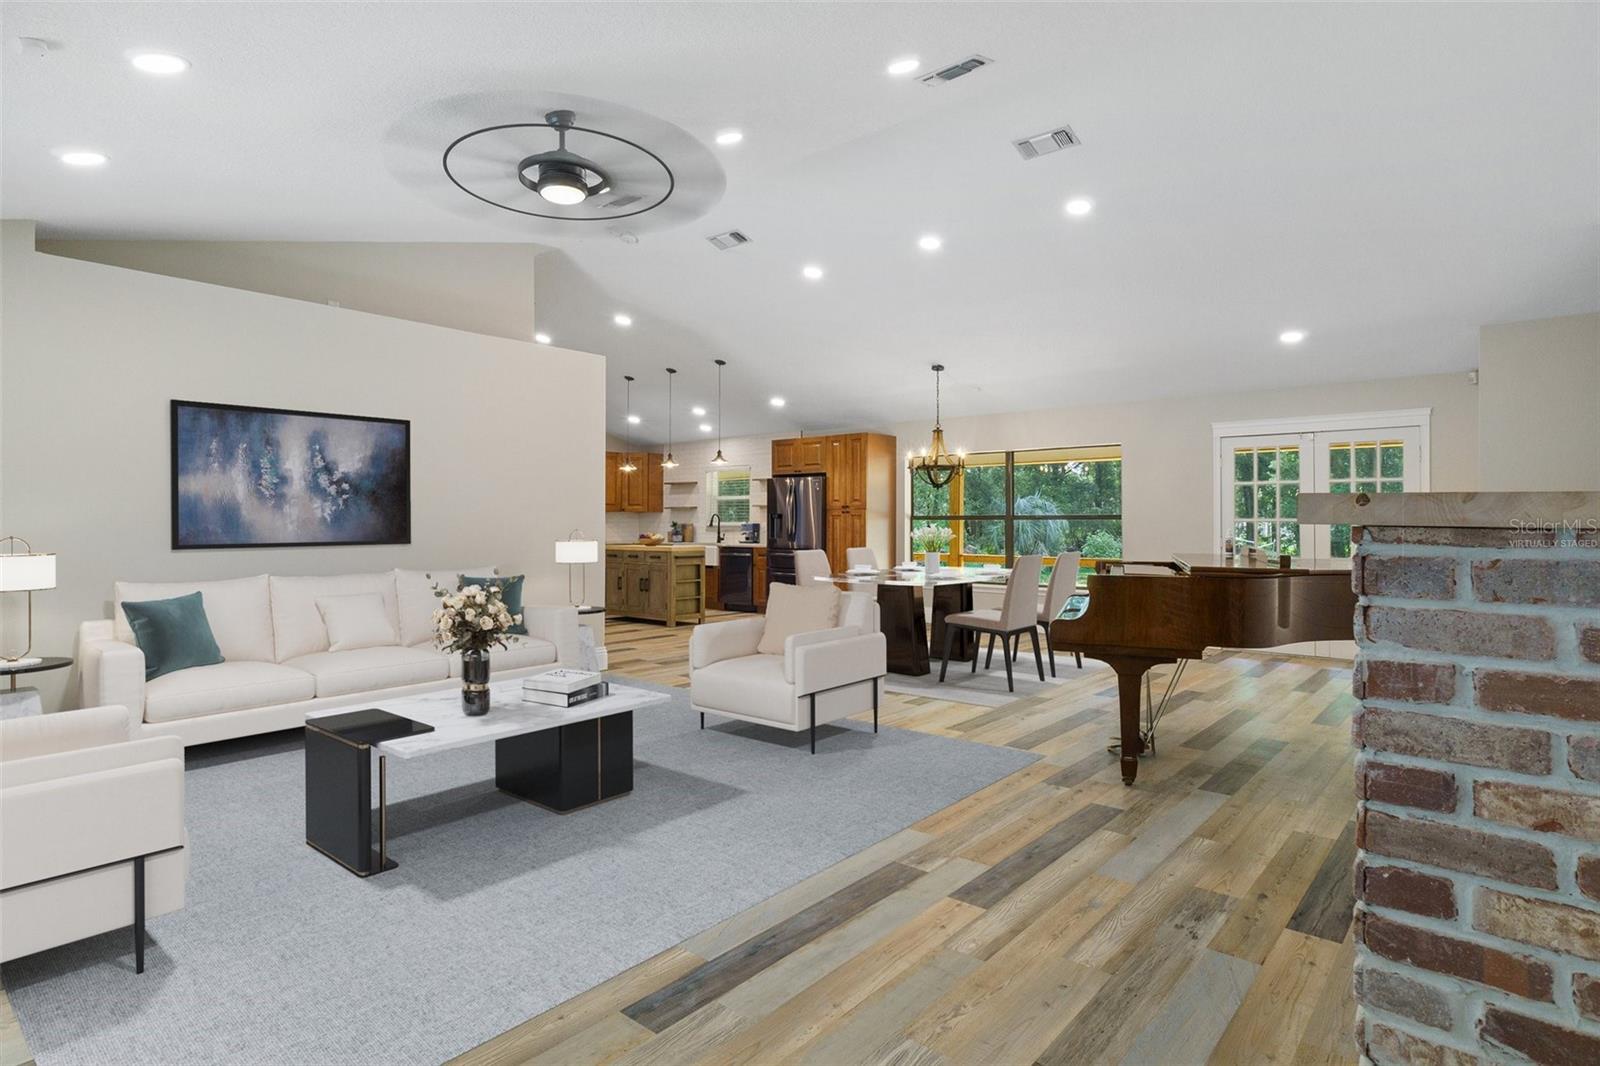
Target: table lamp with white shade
pixel 25 571
pixel 576 551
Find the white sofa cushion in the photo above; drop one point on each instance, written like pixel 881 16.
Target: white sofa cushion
pixel 339 673
pixel 523 653
pixel 297 624
pixel 751 685
pixel 357 622
pixel 792 609
pixel 227 686
pixel 48 734
pixel 237 609
pixel 414 594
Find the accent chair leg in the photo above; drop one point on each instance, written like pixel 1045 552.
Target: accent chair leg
pixel 874 705
pixel 1038 660
pixel 702 719
pixel 1051 649
pixel 138 914
pixel 1078 655
pixel 813 723
pixel 1010 685
pixel 988 659
pixel 949 638
pixel 976 640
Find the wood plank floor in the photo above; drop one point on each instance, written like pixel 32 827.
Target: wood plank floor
pixel 1055 917
pixel 1202 916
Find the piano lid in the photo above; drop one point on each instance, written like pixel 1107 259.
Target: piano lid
pixel 1258 563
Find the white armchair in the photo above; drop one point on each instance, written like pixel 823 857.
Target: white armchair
pixel 91 829
pixel 822 675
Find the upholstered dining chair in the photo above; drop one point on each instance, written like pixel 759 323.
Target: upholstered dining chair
pixel 854 557
pixel 810 565
pixel 1018 614
pixel 1063 583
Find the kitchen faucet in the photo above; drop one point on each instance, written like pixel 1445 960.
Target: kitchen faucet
pixel 716 522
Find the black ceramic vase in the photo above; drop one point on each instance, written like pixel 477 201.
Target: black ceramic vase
pixel 474 683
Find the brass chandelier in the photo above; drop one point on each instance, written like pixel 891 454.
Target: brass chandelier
pixel 937 465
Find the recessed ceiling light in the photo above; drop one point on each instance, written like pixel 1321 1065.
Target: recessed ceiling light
pixel 81 157
pixel 777 401
pixel 622 320
pixel 930 242
pixel 633 420
pixel 158 63
pixel 705 427
pixel 1079 206
pixel 698 412
pixel 1292 336
pixel 729 137
pixel 904 65
pixel 542 338
pixel 811 272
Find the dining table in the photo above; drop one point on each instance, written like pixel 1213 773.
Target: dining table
pixel 902 608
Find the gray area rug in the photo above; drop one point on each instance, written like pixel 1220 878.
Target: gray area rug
pixel 987 688
pixel 499 910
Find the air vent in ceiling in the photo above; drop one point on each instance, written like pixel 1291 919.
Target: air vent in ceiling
pixel 723 241
pixel 1045 143
pixel 955 70
pixel 622 201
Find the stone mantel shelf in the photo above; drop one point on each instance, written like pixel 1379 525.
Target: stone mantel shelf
pixel 1460 510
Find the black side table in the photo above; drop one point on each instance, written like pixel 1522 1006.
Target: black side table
pixel 19 703
pixel 339 786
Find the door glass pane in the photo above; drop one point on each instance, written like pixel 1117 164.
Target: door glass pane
pixel 1356 466
pixel 1266 489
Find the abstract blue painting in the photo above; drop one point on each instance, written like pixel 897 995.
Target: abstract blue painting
pixel 258 477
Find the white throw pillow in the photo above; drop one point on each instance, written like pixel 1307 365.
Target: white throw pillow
pixel 357 622
pixel 792 609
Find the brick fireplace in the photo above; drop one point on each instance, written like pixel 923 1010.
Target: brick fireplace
pixel 1478 778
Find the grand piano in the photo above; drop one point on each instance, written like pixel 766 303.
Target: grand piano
pixel 1154 613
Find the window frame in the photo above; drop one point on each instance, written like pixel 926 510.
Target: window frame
pixel 715 498
pixel 1010 518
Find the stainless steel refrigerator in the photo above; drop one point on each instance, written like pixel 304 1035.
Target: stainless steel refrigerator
pixel 797 512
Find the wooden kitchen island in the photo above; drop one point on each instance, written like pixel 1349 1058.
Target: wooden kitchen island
pixel 661 582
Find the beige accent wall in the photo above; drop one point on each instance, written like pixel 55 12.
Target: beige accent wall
pixel 480 288
pixel 1540 405
pixel 507 436
pixel 1167 471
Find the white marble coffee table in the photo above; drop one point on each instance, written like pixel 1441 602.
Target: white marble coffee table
pixel 558 758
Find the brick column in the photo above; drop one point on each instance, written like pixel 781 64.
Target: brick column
pixel 1478 785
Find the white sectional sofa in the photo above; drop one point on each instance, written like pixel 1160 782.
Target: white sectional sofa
pixel 278 665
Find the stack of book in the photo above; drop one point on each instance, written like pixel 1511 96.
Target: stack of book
pixel 564 688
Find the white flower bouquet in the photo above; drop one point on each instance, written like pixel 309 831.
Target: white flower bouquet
pixel 473 619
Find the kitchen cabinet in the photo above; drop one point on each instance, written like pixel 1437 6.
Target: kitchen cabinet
pixel 862 488
pixel 664 583
pixel 640 491
pixel 800 455
pixel 761 579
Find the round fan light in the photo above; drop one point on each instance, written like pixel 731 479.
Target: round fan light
pixel 561 177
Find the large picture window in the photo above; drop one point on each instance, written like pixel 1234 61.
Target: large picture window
pixel 1038 502
pixel 728 494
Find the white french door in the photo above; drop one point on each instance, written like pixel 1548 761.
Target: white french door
pixel 1261 474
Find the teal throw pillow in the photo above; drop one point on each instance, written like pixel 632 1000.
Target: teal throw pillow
pixel 173 634
pixel 510 595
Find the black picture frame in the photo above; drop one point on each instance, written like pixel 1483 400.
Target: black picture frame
pixel 399 514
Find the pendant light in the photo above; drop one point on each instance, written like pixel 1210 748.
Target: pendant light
pixel 627 466
pixel 718 460
pixel 669 463
pixel 937 466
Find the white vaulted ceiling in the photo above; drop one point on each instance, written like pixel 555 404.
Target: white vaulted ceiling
pixel 1386 177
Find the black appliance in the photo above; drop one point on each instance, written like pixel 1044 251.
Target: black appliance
pixel 736 578
pixel 797 520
